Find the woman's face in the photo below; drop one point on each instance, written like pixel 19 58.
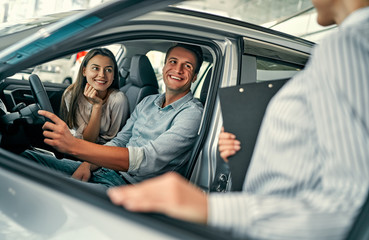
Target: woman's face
pixel 99 72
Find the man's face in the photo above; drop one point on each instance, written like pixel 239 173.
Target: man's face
pixel 325 10
pixel 179 70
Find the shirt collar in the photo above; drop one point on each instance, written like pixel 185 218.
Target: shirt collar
pixel 177 104
pixel 359 15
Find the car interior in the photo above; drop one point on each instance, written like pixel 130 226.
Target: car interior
pixel 140 82
pixel 140 61
pixel 140 66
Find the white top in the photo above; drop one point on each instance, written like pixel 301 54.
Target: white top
pixel 309 173
pixel 114 114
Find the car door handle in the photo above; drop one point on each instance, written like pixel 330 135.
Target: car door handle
pixel 28 96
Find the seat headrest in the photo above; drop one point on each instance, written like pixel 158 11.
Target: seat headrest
pixel 141 72
pixel 124 71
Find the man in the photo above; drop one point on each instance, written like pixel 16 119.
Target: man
pixel 309 173
pixel 157 138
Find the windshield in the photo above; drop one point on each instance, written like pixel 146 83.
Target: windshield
pixel 25 24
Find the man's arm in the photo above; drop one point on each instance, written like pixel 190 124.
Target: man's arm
pixel 57 135
pixel 281 218
pixel 169 194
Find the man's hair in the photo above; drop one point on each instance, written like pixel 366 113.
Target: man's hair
pixel 192 48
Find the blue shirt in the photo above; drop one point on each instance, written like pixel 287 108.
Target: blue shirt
pixel 308 177
pixel 159 139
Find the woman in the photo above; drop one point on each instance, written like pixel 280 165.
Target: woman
pixel 93 107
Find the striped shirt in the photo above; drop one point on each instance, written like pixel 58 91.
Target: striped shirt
pixel 309 175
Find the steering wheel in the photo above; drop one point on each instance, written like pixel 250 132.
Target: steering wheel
pixel 41 98
pixel 39 93
pixel 3 110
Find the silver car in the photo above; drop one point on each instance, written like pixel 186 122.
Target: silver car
pixel 36 203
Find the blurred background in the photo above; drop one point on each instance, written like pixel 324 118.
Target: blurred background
pixel 15 10
pixel 295 17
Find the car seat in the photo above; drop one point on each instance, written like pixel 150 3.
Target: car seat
pixel 205 86
pixel 124 71
pixel 141 81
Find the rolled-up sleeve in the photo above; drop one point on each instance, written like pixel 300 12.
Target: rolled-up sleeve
pixel 136 155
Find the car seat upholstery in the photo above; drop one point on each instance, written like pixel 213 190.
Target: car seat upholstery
pixel 141 81
pixel 124 71
pixel 205 86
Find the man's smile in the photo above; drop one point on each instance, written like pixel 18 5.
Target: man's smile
pixel 175 78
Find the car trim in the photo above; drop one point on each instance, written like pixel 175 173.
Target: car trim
pixel 232 21
pixel 264 49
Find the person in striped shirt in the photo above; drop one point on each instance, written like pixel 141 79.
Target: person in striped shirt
pixel 308 176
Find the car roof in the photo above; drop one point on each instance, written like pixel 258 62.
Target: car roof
pixel 64 31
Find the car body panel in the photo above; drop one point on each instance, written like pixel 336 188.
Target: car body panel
pixel 41 209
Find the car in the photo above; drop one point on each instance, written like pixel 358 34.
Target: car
pixel 61 70
pixel 37 203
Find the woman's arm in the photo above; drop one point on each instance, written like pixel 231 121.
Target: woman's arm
pixel 92 130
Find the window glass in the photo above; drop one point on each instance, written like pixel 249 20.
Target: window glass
pixel 268 70
pixel 157 59
pixel 61 70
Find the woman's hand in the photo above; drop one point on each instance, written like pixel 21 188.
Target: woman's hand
pixel 92 95
pixel 83 172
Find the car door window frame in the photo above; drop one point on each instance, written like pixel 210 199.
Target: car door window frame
pixel 254 50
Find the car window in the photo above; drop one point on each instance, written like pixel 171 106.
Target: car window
pixel 268 70
pixel 157 59
pixel 62 70
pixel 262 61
pixel 259 69
pixel 25 24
